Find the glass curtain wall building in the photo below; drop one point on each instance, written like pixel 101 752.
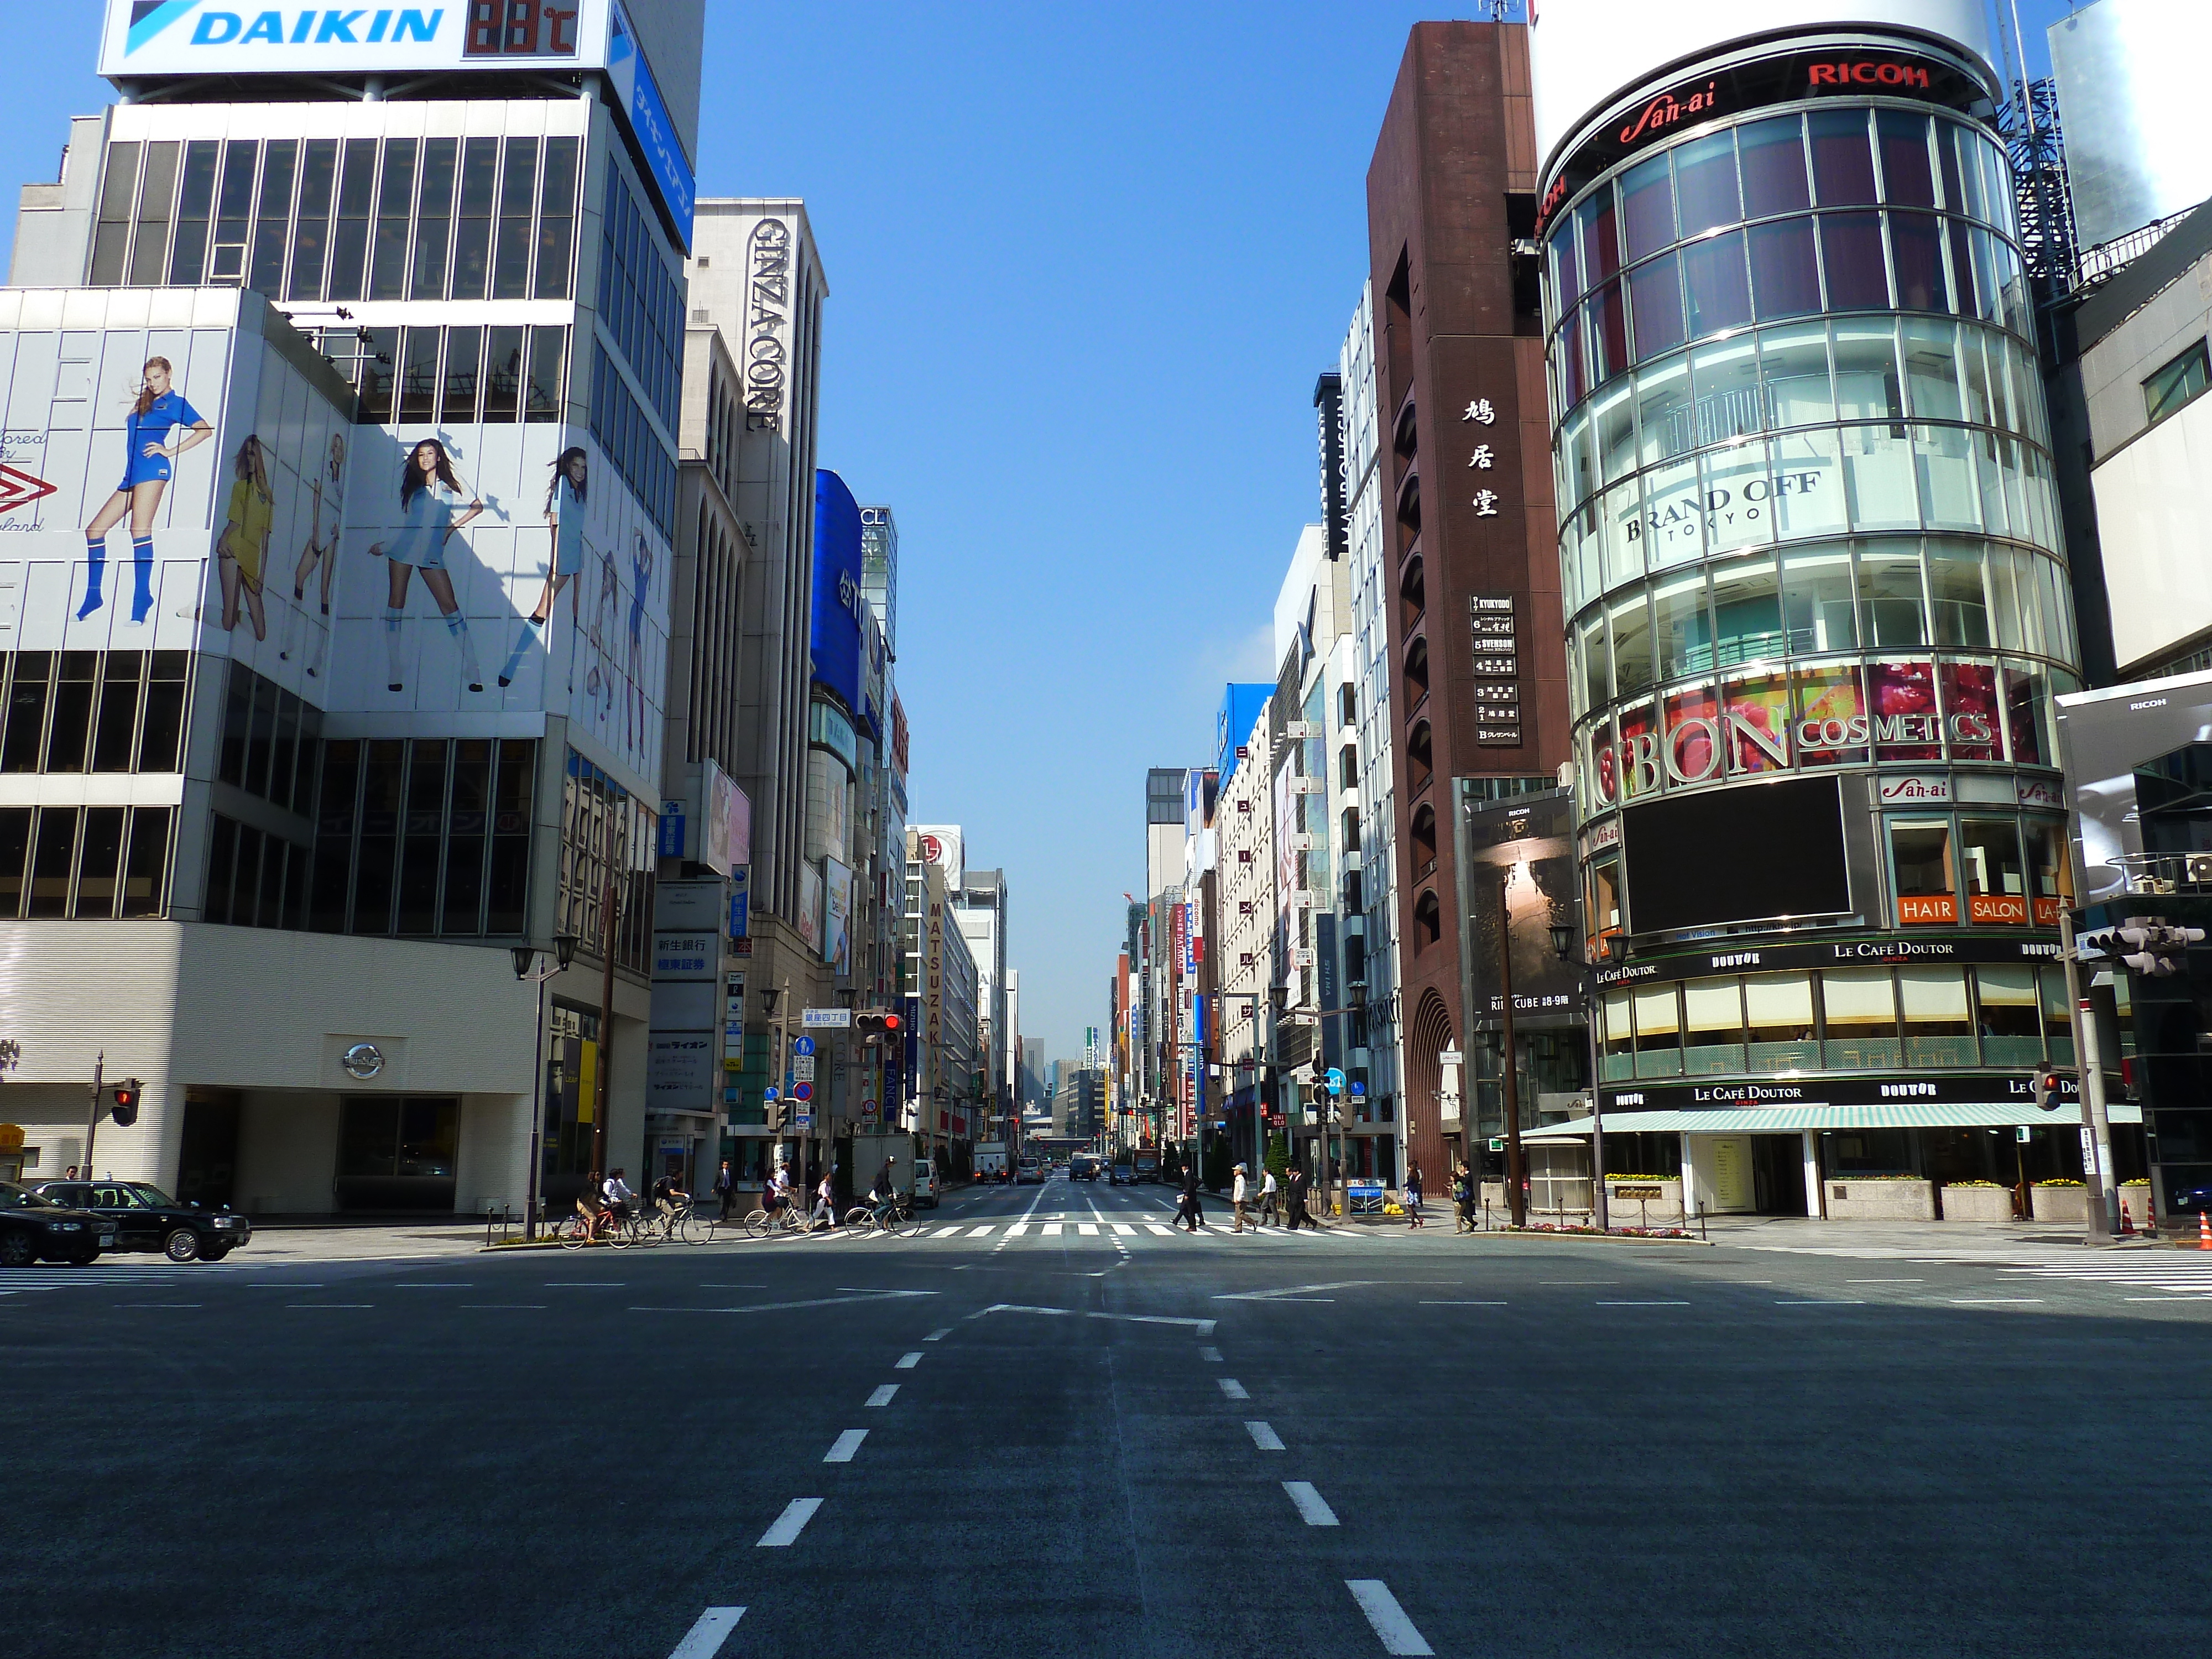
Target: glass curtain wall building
pixel 1818 612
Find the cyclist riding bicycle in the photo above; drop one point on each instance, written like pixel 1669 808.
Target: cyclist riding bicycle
pixel 779 1191
pixel 619 1195
pixel 883 1195
pixel 668 1194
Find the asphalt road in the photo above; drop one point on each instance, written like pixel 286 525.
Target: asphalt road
pixel 1093 1437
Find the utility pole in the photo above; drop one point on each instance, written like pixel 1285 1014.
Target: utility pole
pixel 2096 1127
pixel 91 1117
pixel 603 1083
pixel 1515 1201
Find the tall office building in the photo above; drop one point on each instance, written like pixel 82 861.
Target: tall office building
pixel 361 683
pixel 1477 705
pixel 1818 606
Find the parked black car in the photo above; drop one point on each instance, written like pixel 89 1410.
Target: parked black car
pixel 149 1219
pixel 32 1228
pixel 2195 1198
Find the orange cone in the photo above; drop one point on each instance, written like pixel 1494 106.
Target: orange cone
pixel 2204 1230
pixel 2127 1225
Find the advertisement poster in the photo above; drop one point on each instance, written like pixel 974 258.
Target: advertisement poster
pixel 1529 844
pixel 179 471
pixel 810 907
pixel 838 934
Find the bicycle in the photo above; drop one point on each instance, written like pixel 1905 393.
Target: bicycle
pixel 670 1221
pixel 896 1217
pixel 598 1227
pixel 786 1219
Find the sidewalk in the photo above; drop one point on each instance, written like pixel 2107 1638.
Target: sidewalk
pixel 1925 1241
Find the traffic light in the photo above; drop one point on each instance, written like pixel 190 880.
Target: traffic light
pixel 877 1026
pixel 776 1118
pixel 2149 946
pixel 125 1109
pixel 2046 1087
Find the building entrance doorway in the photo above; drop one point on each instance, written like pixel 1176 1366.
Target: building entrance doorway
pixel 207 1164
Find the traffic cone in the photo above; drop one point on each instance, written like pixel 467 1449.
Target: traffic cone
pixel 2204 1230
pixel 2127 1225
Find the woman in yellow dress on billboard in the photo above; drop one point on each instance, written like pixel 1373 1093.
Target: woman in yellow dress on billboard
pixel 242 552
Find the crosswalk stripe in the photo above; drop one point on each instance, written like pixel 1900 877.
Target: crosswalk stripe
pixel 1017 1230
pixel 1155 1227
pixel 979 1232
pixel 1088 1229
pixel 1049 1229
pixel 945 1232
pixel 1125 1229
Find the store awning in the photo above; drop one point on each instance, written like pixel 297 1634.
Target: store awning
pixel 1782 1119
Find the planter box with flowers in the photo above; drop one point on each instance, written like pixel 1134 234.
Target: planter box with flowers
pixel 1976 1201
pixel 1880 1198
pixel 1634 1200
pixel 2066 1201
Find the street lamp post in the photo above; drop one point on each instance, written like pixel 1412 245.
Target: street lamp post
pixel 529 968
pixel 1609 952
pixel 1515 1201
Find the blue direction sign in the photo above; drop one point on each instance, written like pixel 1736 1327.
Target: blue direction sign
pixel 1359 1090
pixel 1335 1080
pixel 770 1093
pixel 802 1091
pixel 802 1045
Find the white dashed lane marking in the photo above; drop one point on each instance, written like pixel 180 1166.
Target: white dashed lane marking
pixel 786 1527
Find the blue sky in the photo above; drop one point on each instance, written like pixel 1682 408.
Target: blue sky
pixel 1084 266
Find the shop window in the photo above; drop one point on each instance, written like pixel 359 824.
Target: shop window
pixel 1920 863
pixel 2007 1017
pixel 1746 613
pixel 1655 305
pixel 1906 177
pixel 1712 1026
pixel 1601 917
pixel 1683 630
pixel 1938 1029
pixel 1793 366
pixel 1618 1054
pixel 1705 183
pixel 1959 591
pixel 1785 277
pixel 2179 383
pixel 1858 1007
pixel 1778 1023
pixel 1718 288
pixel 397 1152
pixel 2057 1017
pixel 1658 1031
pixel 1996 887
pixel 1817 603
pixel 2050 871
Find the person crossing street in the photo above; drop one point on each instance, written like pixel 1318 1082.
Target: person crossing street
pixel 1186 1207
pixel 1297 1199
pixel 1238 1188
pixel 1268 1210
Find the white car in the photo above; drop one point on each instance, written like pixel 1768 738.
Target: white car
pixel 924 1186
pixel 1028 1171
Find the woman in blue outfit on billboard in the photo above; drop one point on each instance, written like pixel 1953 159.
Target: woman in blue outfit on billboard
pixel 564 518
pixel 148 456
pixel 435 506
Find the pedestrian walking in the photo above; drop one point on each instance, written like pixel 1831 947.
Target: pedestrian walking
pixel 1237 1196
pixel 825 1203
pixel 1463 1197
pixel 1297 1198
pixel 1413 1196
pixel 1268 1196
pixel 1187 1208
pixel 726 1188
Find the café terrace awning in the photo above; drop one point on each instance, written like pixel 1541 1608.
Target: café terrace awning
pixel 1787 1120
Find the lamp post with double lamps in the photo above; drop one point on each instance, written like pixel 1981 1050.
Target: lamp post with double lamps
pixel 529 968
pixel 1607 953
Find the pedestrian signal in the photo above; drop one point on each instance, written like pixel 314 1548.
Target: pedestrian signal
pixel 125 1109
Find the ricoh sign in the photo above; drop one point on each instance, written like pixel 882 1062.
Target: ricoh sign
pixel 146 38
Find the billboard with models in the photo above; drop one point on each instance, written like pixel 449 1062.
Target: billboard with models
pixel 180 470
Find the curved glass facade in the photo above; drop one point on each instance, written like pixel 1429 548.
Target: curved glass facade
pixel 1808 527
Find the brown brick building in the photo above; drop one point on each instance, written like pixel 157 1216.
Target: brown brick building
pixel 1479 705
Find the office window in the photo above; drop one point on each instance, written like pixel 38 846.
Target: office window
pixel 272 224
pixel 110 236
pixel 556 220
pixel 434 216
pixel 2178 383
pixel 356 200
pixel 58 861
pixel 195 206
pixel 472 245
pixel 518 192
pixel 387 264
pixel 311 238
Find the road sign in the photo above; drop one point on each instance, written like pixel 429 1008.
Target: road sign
pixel 803 1121
pixel 802 1091
pixel 1335 1076
pixel 802 1045
pixel 1497 1143
pixel 770 1093
pixel 802 1068
pixel 828 1019
pixel 1359 1089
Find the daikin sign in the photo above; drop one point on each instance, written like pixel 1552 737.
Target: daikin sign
pixel 225 37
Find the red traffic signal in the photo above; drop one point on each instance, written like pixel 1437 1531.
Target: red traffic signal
pixel 125 1107
pixel 876 1024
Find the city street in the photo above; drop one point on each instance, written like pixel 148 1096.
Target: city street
pixel 1047 1426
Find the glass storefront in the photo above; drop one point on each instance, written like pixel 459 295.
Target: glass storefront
pixel 1808 524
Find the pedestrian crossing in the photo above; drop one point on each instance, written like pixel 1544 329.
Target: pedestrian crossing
pixel 2166 1272
pixel 1034 1232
